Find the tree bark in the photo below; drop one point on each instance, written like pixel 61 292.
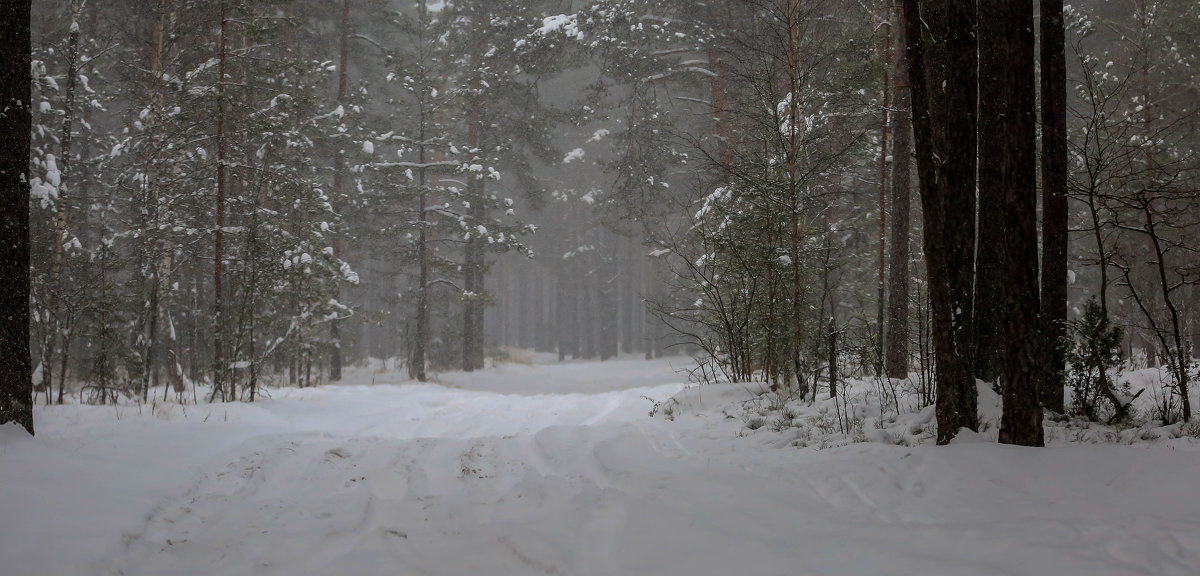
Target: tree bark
pixel 472 347
pixel 942 59
pixel 833 354
pixel 62 316
pixel 897 325
pixel 995 115
pixel 473 270
pixel 417 362
pixel 1055 236
pixel 607 326
pixel 339 190
pixel 473 257
pixel 16 370
pixel 880 282
pixel 718 86
pixel 219 232
pixel 1010 27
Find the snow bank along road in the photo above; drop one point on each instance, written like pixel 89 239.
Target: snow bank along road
pixel 557 469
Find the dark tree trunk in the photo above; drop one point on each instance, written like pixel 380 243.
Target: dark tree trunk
pixel 720 96
pixel 473 270
pixel 469 303
pixel 473 257
pixel 629 300
pixel 421 338
pixel 16 370
pixel 62 315
pixel 607 302
pixel 1009 26
pixel 885 130
pixel 566 311
pixel 942 59
pixel 588 325
pixel 219 232
pixel 151 334
pixel 833 354
pixel 897 324
pixel 1054 203
pixel 649 323
pixel 478 266
pixel 995 111
pixel 339 190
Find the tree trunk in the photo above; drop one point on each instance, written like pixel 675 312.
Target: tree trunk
pixel 995 114
pixel 942 59
pixel 473 268
pixel 720 96
pixel 606 300
pixel 219 232
pixel 472 345
pixel 151 333
pixel 16 370
pixel 1054 203
pixel 339 191
pixel 1009 26
pixel 649 322
pixel 897 325
pixel 629 301
pixel 473 257
pixel 61 221
pixel 880 284
pixel 588 327
pixel 833 354
pixel 566 310
pixel 421 338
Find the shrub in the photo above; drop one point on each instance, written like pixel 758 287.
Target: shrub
pixel 1093 355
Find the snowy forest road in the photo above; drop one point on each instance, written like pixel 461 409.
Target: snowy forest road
pixel 557 469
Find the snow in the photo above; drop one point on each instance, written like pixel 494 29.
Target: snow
pixel 53 176
pixel 566 23
pixel 576 154
pixel 536 467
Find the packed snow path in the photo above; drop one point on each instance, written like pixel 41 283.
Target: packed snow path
pixel 557 469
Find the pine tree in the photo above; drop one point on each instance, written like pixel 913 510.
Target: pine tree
pixel 339 182
pixel 1008 28
pixel 943 69
pixel 901 204
pixel 500 49
pixel 1055 212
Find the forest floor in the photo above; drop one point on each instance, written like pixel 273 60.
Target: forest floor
pixel 558 469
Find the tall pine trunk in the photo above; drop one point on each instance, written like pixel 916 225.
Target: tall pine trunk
pixel 1007 28
pixel 474 278
pixel 16 370
pixel 718 87
pixel 421 338
pixel 339 190
pixel 942 59
pixel 1054 203
pixel 897 322
pixel 219 231
pixel 62 316
pixel 880 282
pixel 995 108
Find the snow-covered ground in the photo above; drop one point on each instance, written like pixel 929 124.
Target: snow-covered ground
pixel 559 469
